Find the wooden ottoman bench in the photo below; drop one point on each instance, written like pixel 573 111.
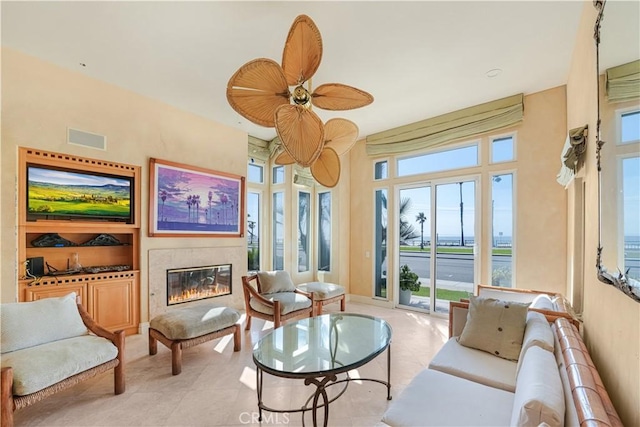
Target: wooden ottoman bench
pixel 324 293
pixel 186 327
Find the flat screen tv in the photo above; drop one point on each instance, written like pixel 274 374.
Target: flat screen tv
pixel 69 194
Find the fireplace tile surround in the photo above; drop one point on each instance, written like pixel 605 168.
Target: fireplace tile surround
pixel 161 260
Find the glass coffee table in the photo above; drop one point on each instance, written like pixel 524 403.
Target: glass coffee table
pixel 318 350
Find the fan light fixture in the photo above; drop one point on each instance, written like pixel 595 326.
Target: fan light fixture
pixel 259 91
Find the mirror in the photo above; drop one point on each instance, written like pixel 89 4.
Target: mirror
pixel 617 36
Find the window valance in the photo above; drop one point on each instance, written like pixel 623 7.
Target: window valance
pixel 446 128
pixel 623 82
pixel 259 148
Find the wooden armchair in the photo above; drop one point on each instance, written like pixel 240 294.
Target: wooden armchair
pixel 21 384
pixel 274 297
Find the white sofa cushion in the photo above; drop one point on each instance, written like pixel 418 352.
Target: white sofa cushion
pixel 275 281
pixel 495 326
pixel 475 365
pixel 539 396
pixel 289 302
pixel 544 302
pixel 537 333
pixel 27 324
pixel 35 368
pixel 434 398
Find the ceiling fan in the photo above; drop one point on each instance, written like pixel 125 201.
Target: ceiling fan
pixel 259 91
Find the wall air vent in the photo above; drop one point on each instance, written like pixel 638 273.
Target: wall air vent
pixel 86 139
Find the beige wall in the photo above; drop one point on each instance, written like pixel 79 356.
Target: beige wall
pixel 611 319
pixel 541 202
pixel 39 102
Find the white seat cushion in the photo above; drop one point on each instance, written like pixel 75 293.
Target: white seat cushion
pixel 289 301
pixel 475 365
pixel 190 322
pixel 321 290
pixel 434 398
pixel 35 368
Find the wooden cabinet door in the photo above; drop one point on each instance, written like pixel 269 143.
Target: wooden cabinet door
pixel 33 293
pixel 114 304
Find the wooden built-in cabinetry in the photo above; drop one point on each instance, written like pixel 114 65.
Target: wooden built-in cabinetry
pixel 111 297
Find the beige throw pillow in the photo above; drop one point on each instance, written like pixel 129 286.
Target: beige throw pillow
pixel 495 326
pixel 275 281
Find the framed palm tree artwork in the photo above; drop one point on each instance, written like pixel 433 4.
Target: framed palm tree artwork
pixel 190 201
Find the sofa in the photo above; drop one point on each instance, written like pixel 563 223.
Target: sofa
pixel 49 345
pixel 505 365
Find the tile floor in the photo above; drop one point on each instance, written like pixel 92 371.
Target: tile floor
pixel 217 385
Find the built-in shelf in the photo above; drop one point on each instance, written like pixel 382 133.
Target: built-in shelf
pixel 111 297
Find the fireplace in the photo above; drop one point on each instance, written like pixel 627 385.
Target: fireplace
pixel 196 283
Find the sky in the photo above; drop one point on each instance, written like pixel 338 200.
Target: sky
pixel 72 178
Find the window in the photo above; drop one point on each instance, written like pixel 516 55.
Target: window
pixel 630 127
pixel 628 165
pixel 278 175
pixel 278 231
pixel 502 150
pixel 380 258
pixel 253 231
pixel 455 158
pixel 304 213
pixel 631 215
pixel 255 173
pixel 381 170
pixel 502 230
pixel 324 231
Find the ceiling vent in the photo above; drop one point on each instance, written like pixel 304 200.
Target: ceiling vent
pixel 86 139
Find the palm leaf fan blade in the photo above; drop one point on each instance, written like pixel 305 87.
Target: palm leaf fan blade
pixel 326 169
pixel 301 132
pixel 336 96
pixel 257 89
pixel 340 134
pixel 284 159
pixel 302 51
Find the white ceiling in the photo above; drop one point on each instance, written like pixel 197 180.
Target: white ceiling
pixel 418 59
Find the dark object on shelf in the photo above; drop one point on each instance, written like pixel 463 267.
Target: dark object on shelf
pixel 103 240
pixel 52 271
pixel 106 268
pixel 52 240
pixel 35 266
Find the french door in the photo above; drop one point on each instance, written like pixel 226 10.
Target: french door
pixel 436 218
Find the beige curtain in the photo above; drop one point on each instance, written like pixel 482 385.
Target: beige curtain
pixel 623 82
pixel 449 127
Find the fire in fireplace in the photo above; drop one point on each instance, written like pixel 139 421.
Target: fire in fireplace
pixel 196 283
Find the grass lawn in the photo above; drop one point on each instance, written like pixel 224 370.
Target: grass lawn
pixel 453 250
pixel 444 294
